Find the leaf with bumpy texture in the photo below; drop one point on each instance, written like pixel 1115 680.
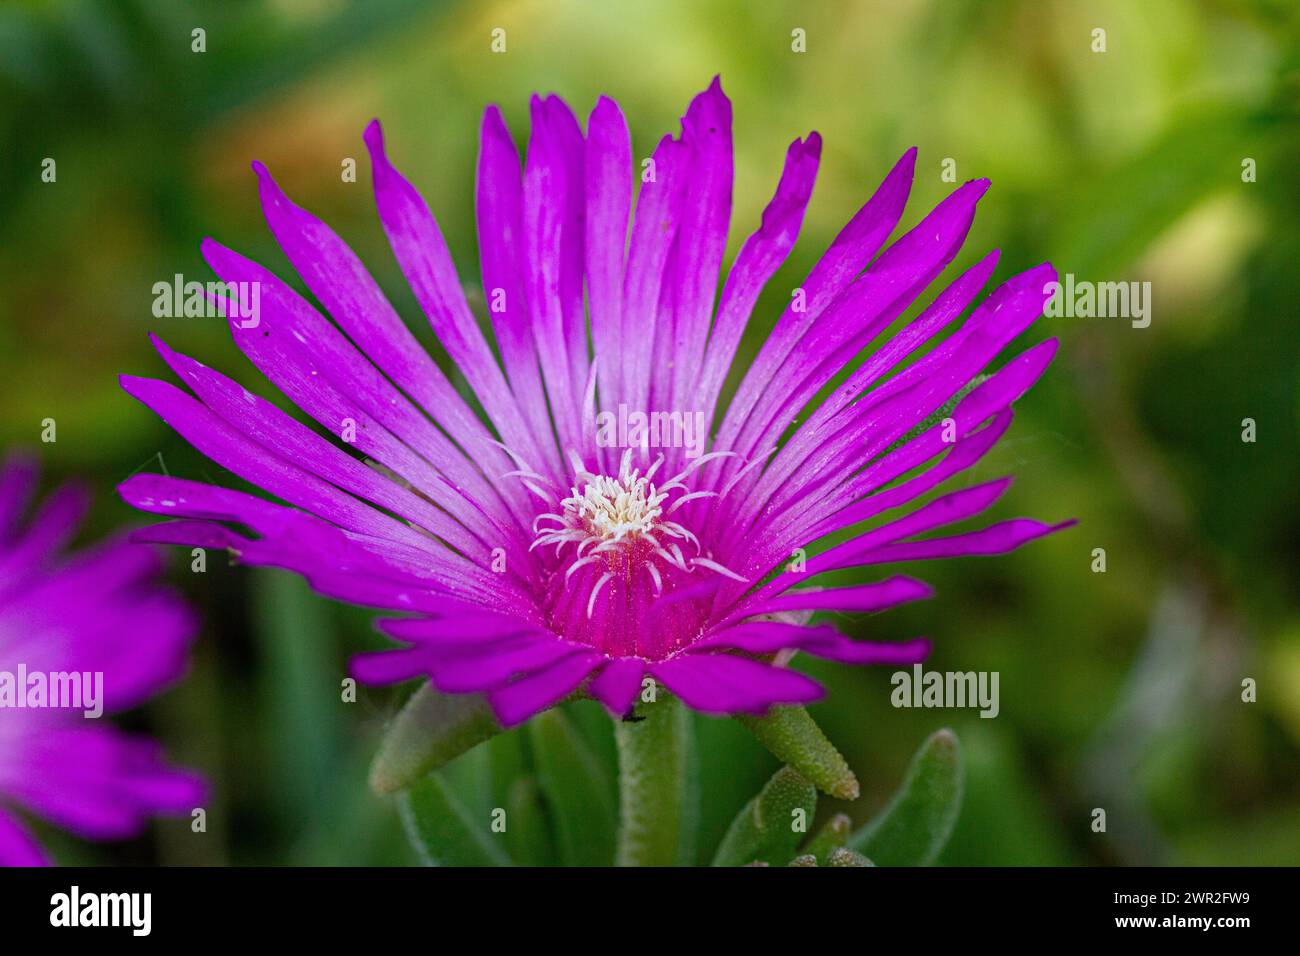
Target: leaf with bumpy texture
pixel 794 738
pixel 764 831
pixel 833 835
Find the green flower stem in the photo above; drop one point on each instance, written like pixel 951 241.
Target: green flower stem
pixel 654 755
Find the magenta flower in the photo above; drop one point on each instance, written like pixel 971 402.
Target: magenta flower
pixel 95 631
pixel 542 546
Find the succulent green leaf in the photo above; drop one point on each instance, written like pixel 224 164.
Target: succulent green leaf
pixel 843 856
pixel 795 739
pixel 442 831
pixel 834 833
pixel 507 760
pixel 915 825
pixel 768 828
pixel 430 730
pixel 577 791
pixel 528 831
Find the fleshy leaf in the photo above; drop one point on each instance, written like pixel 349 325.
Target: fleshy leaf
pixel 441 830
pixel 833 835
pixel 576 789
pixel 528 832
pixel 767 829
pixel 430 730
pixel 796 740
pixel 507 761
pixel 914 826
pixel 843 856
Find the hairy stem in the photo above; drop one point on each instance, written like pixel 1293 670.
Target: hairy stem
pixel 654 779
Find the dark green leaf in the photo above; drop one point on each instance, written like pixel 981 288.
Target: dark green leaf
pixel 442 831
pixel 770 826
pixel 917 822
pixel 833 835
pixel 577 792
pixel 430 730
pixel 528 832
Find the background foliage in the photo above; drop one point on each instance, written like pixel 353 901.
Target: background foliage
pixel 1119 690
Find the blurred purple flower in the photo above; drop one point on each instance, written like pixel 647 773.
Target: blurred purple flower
pixel 64 620
pixel 533 556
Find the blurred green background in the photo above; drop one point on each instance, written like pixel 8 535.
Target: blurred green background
pixel 1118 690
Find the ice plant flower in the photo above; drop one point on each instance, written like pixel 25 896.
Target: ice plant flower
pixel 532 553
pixel 79 637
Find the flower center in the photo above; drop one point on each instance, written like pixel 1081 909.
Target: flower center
pixel 611 509
pixel 620 525
pixel 625 571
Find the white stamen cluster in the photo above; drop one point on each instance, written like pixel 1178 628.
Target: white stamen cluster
pixel 614 507
pixel 624 520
